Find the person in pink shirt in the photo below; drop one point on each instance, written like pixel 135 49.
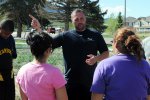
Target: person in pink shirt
pixel 39 80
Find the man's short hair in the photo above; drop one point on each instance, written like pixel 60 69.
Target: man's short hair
pixel 76 11
pixel 7 25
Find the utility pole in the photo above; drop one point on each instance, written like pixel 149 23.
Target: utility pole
pixel 124 12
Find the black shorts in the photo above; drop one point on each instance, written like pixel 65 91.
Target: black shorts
pixel 78 92
pixel 7 85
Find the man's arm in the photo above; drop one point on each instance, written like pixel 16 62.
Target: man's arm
pixel 14 52
pixel 35 23
pixel 102 56
pixel 93 59
pixel 96 96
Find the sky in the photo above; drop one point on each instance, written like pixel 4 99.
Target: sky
pixel 134 8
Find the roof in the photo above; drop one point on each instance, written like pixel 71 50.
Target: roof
pixel 130 19
pixel 148 18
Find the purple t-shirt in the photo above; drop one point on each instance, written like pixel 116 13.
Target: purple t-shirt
pixel 122 77
pixel 39 81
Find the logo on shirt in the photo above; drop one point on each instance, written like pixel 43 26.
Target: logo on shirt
pixel 5 51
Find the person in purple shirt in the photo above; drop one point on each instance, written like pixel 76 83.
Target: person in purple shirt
pixel 124 76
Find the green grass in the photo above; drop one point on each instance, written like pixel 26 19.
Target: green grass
pixel 143 35
pixel 20 40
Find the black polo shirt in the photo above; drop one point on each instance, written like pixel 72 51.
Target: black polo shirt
pixel 76 46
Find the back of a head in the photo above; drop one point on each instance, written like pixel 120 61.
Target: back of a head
pixel 129 42
pixel 7 25
pixel 39 43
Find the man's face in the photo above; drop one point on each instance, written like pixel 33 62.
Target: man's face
pixel 79 21
pixel 4 34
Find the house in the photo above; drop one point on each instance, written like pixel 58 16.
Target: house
pixel 141 24
pixel 130 21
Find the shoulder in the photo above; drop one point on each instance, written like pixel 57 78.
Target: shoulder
pixel 69 32
pixel 146 40
pixel 108 61
pixel 93 31
pixel 52 69
pixel 11 37
pixel 23 69
pixel 26 66
pixel 112 61
pixel 63 34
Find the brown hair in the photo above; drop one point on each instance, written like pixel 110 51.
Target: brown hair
pixel 129 42
pixel 76 11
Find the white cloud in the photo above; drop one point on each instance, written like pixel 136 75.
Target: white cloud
pixel 114 10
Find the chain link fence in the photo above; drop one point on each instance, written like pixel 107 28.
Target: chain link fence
pixel 25 56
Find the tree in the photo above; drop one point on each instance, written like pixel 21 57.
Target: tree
pixel 111 24
pixel 63 10
pixel 19 10
pixel 95 17
pixel 119 21
pixel 92 10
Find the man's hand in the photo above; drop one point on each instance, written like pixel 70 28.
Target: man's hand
pixel 91 60
pixel 35 23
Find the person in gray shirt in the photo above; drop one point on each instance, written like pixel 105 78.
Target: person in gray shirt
pixel 146 47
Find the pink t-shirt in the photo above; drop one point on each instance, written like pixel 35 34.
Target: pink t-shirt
pixel 39 81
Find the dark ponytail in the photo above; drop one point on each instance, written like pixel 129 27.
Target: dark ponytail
pixel 134 46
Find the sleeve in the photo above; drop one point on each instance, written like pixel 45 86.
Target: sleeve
pixel 14 53
pixel 17 79
pixel 20 80
pixel 58 79
pixel 58 41
pixel 102 46
pixel 98 85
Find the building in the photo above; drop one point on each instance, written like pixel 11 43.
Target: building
pixel 141 24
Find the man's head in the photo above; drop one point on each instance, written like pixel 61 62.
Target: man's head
pixel 78 19
pixel 6 28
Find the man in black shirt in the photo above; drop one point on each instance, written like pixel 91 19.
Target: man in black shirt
pixel 80 47
pixel 7 53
